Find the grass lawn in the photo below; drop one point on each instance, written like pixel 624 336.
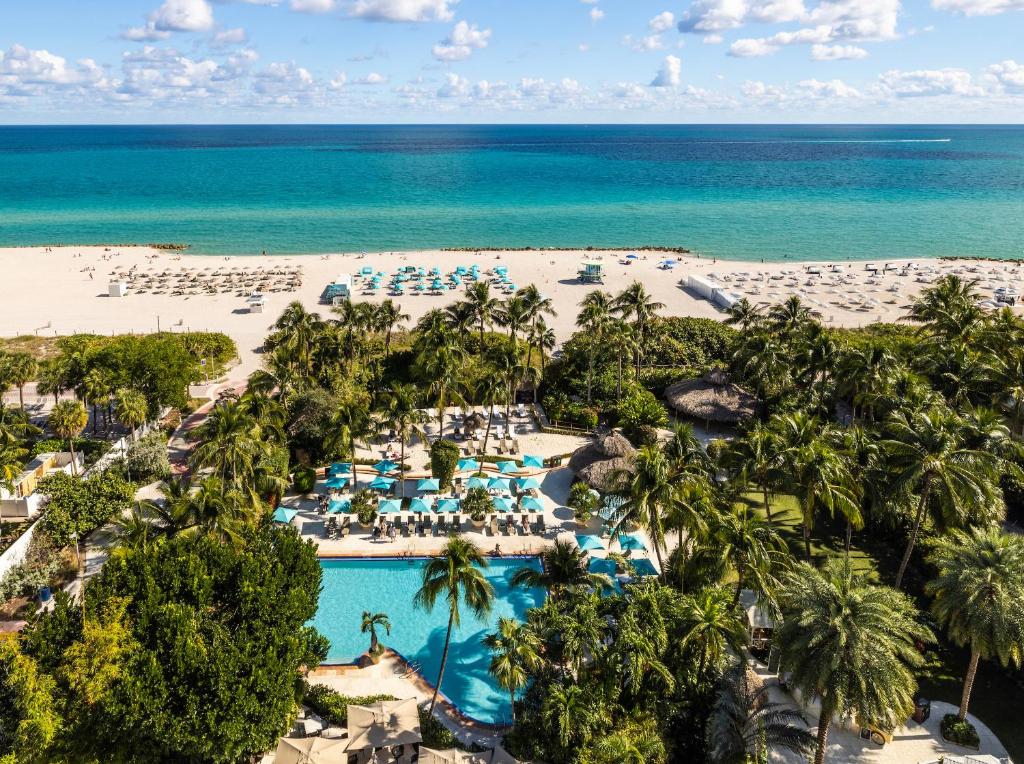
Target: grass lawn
pixel 998 694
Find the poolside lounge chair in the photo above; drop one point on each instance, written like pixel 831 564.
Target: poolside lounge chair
pixel 421 526
pixel 494 525
pixel 442 526
pixel 457 524
pixel 346 526
pixel 404 526
pixel 540 525
pixel 526 524
pixel 514 446
pixel 510 525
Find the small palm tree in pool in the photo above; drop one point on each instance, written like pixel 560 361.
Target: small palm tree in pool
pixel 515 651
pixel 456 574
pixel 370 623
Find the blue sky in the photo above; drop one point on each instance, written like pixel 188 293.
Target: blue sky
pixel 511 61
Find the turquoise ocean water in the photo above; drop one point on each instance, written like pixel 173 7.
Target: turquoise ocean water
pixel 746 192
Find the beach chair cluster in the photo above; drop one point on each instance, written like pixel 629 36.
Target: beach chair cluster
pixel 415 280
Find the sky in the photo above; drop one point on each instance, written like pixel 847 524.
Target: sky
pixel 511 61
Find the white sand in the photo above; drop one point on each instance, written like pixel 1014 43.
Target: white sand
pixel 51 293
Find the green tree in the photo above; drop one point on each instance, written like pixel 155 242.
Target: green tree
pixel 594 318
pixel 649 489
pixel 850 644
pixel 29 717
pixel 68 419
pixel 401 413
pixel 456 575
pixel 515 652
pixel 634 302
pixel 23 369
pixel 564 566
pixel 979 597
pixel 484 307
pixel 131 408
pixel 711 627
pixel 370 623
pixel 444 458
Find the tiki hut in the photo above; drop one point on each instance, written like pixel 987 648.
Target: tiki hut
pixel 596 462
pixel 473 422
pixel 712 398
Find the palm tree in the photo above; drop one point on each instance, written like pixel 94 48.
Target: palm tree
pixel 515 652
pixel 634 302
pixel 543 338
pixel 712 627
pixel 456 574
pixel 350 424
pixel 745 725
pixel 823 480
pixel 744 314
pixel 369 625
pixel 623 338
pixel 789 317
pixel 230 443
pixel 515 315
pixel 564 567
pixel 979 597
pixel 758 454
pixel 928 456
pixel 850 644
pixel 577 714
pixel 489 390
pixel 948 310
pixel 68 419
pixel 596 314
pixel 22 370
pixel 485 308
pixel 754 549
pixel 649 490
pixel 297 330
pixel 95 392
pixel 389 317
pixel 131 408
pixel 401 413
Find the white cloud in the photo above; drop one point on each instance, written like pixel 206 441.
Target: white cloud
pixel 183 16
pixel 928 83
pixel 147 33
pixel 643 44
pixel 829 89
pixel 403 10
pixel 373 78
pixel 1007 75
pixel 338 81
pixel 583 47
pixel 751 48
pixel 776 11
pixel 313 6
pixel 669 74
pixel 978 7
pixel 712 39
pixel 713 16
pixel 460 44
pixel 229 37
pixel 857 19
pixel 21 67
pixel 596 14
pixel 837 52
pixel 454 87
pixel 663 22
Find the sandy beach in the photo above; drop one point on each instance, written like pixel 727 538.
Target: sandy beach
pixel 63 290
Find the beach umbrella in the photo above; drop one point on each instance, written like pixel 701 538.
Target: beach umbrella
pixel 284 515
pixel 340 468
pixel 447 505
pixel 337 482
pixel 337 507
pixel 476 482
pixel 421 504
pixel 527 482
pixel 385 465
pixel 533 461
pixel 381 484
pixel 588 543
pixel 468 464
pixel 628 542
pixel 532 504
pixel 507 467
pixel 499 483
pixel 428 484
pixel 631 257
pixel 502 504
pixel 387 506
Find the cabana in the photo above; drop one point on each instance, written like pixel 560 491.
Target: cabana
pixel 596 462
pixel 712 398
pixel 387 724
pixel 760 625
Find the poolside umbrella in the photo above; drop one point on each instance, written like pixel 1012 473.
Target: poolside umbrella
pixel 532 504
pixel 588 543
pixel 382 483
pixel 533 461
pixel 527 482
pixel 502 504
pixel 498 483
pixel 340 468
pixel 385 465
pixel 627 542
pixel 507 467
pixel 447 505
pixel 284 515
pixel 422 504
pixel 338 507
pixel 337 482
pixel 310 750
pixel 387 506
pixel 385 724
pixel 428 484
pixel 476 482
pixel 468 464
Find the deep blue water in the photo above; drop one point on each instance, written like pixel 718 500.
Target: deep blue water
pixel 731 191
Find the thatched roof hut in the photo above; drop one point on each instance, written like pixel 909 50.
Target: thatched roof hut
pixel 474 421
pixel 712 398
pixel 597 461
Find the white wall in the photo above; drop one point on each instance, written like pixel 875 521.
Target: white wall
pixel 15 553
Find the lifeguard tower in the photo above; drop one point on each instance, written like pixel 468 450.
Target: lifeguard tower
pixel 591 272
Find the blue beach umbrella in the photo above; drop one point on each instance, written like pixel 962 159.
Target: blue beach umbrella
pixel 533 461
pixel 385 465
pixel 381 484
pixel 337 482
pixel 498 483
pixel 527 483
pixel 338 507
pixel 428 484
pixel 284 515
pixel 506 467
pixel 421 504
pixel 632 257
pixel 532 504
pixel 447 505
pixel 341 468
pixel 502 504
pixel 588 543
pixel 476 482
pixel 387 506
pixel 627 541
pixel 468 464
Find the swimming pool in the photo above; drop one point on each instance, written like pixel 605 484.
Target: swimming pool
pixel 388 585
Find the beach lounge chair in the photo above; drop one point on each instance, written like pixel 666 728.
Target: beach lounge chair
pixel 494 525
pixel 442 526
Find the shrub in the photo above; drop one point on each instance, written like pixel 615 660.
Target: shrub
pixel 477 503
pixel 40 566
pixel 91 450
pixel 79 507
pixel 641 409
pixel 583 501
pixel 304 479
pixel 444 458
pixel 959 732
pixel 364 506
pixel 435 734
pixel 147 458
pixel 716 448
pixel 332 706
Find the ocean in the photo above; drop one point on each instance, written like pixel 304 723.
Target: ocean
pixel 742 192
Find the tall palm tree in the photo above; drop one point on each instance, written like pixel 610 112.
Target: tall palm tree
pixel 543 338
pixel 441 368
pixel 744 314
pixel 490 389
pixel 928 456
pixel 711 627
pixel 23 369
pixel 623 338
pixel 948 311
pixel 850 644
pixel 790 317
pixel 635 302
pixel 823 481
pixel 979 597
pixel 349 425
pixel 515 316
pixel 564 567
pixel 485 307
pixel 745 725
pixel 389 317
pixel 296 332
pixel 457 575
pixel 576 713
pixel 131 408
pixel 594 317
pixel 370 623
pixel 230 442
pixel 649 490
pixel 95 392
pixel 754 549
pixel 68 419
pixel 515 652
pixel 758 454
pixel 401 413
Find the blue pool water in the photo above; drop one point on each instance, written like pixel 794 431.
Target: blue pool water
pixel 351 586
